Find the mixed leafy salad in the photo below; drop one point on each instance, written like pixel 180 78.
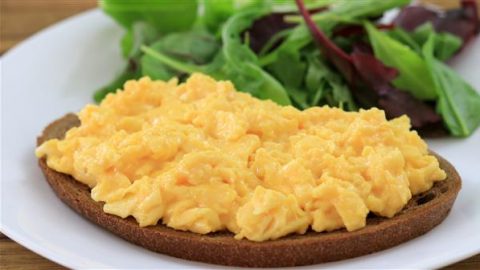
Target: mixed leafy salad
pixel 310 53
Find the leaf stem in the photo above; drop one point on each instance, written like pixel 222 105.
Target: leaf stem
pixel 170 62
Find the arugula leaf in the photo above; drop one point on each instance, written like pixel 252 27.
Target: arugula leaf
pixel 267 86
pixel 458 102
pixel 243 62
pixel 299 97
pixel 155 69
pixel 194 47
pixel 170 62
pixel 406 38
pixel 289 69
pixel 165 15
pixel 414 75
pixel 326 86
pixel 446 44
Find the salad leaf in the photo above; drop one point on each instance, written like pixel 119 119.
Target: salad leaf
pixel 198 47
pixel 172 63
pixel 458 103
pixel 267 31
pixel 165 15
pixel 375 89
pixel 235 61
pixel 216 12
pixel 154 69
pixel 266 27
pixel 332 52
pixel 139 34
pixel 195 47
pixel 126 43
pixel 413 71
pixel 406 38
pixel 243 62
pixel 370 80
pixel 446 44
pixel 362 9
pixel 289 69
pixel 341 11
pixel 463 22
pixel 327 87
pixel 269 51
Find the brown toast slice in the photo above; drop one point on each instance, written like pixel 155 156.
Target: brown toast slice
pixel 422 213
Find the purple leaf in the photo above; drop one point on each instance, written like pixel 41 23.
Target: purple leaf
pixel 413 16
pixel 462 22
pixel 370 69
pixel 364 47
pixel 263 29
pixel 377 77
pixel 355 29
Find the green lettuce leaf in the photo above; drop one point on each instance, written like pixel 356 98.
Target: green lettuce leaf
pixel 458 102
pixel 165 15
pixel 414 75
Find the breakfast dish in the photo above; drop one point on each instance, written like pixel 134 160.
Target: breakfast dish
pixel 65 86
pixel 240 181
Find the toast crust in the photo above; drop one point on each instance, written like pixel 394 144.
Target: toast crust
pixel 422 213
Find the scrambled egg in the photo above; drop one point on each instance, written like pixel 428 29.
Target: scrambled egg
pixel 203 157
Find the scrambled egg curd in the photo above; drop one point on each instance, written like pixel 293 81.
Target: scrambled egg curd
pixel 202 157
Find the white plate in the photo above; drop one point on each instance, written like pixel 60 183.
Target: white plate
pixel 57 70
